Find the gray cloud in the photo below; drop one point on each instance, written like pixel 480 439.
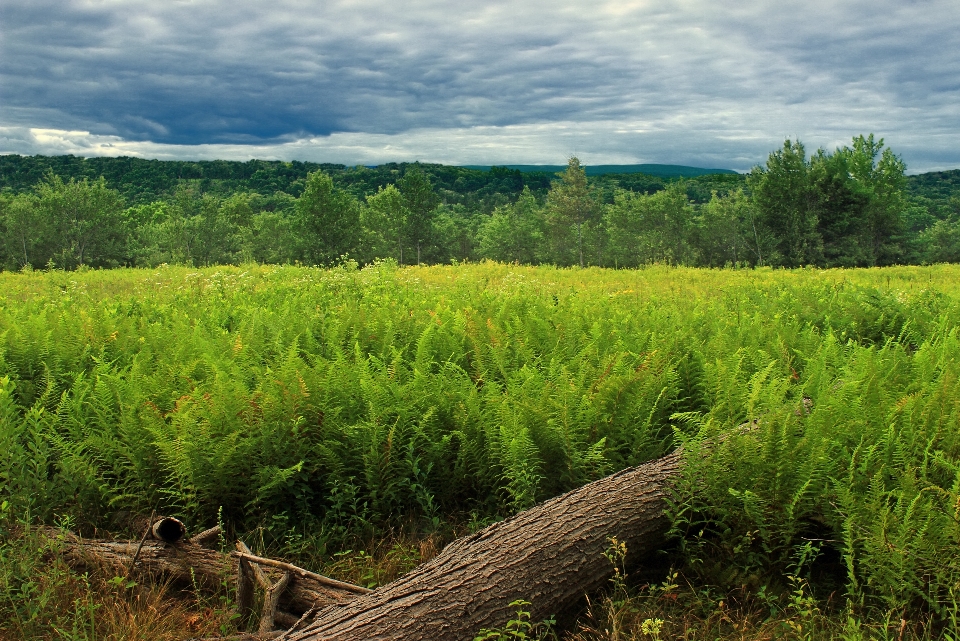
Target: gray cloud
pixel 659 81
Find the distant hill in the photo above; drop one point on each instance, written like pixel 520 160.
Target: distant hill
pixel 662 171
pixel 936 185
pixel 476 187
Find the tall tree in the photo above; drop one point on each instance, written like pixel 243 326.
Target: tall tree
pixel 941 242
pixel 881 173
pixel 859 204
pixel 421 204
pixel 786 205
pixel 385 221
pixel 24 232
pixel 328 218
pixel 513 233
pixel 727 234
pixel 841 207
pixel 651 228
pixel 572 205
pixel 86 218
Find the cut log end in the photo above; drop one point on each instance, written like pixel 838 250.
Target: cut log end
pixel 168 529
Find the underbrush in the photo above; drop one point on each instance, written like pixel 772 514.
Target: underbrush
pixel 679 610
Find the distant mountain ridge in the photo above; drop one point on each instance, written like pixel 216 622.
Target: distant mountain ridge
pixel 663 171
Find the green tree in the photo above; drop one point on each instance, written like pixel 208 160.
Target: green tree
pixel 727 233
pixel 86 220
pixel 514 232
pixel 841 204
pixel 222 228
pixel 270 238
pixel 24 231
pixel 328 219
pixel 941 242
pixel 786 205
pixel 421 203
pixel 384 223
pixel 654 228
pixel 178 237
pixel 143 223
pixel 571 206
pixel 880 174
pixel 456 229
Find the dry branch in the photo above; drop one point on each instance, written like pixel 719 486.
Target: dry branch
pixel 207 536
pixel 288 567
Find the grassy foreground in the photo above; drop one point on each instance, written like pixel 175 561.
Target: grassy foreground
pixel 355 419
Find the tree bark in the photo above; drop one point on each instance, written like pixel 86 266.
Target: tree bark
pixel 549 555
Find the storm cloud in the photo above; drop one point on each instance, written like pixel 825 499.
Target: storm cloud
pixel 691 82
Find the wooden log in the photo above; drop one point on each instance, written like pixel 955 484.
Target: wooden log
pixel 246 636
pixel 183 563
pixel 270 601
pixel 549 555
pixel 245 593
pixel 206 537
pixel 168 529
pixel 256 571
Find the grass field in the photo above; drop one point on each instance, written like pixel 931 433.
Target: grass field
pixel 354 419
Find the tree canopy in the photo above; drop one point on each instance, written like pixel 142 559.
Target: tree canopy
pixel 853 206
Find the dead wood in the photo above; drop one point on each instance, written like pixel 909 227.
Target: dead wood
pixel 245 593
pixel 206 537
pixel 270 601
pixel 255 570
pixel 185 564
pixel 168 529
pixel 246 636
pixel 549 555
pixel 319 578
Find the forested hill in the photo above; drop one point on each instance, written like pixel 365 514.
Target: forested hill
pixel 143 181
pixel 663 171
pixel 935 185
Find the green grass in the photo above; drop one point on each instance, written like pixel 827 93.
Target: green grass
pixel 323 409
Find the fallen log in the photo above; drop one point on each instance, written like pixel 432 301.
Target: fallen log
pixel 185 563
pixel 549 555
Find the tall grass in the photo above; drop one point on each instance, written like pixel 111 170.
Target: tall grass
pixel 332 404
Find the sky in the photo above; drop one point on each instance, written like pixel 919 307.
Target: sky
pixel 692 82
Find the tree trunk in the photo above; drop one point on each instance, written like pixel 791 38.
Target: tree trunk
pixel 580 242
pixel 549 555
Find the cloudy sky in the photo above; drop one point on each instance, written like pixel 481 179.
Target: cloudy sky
pixel 696 82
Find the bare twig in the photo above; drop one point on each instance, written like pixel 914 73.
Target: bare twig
pixel 296 626
pixel 289 567
pixel 143 539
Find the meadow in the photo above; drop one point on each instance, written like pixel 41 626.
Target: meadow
pixel 321 411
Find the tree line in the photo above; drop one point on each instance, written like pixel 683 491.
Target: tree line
pixel 851 207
